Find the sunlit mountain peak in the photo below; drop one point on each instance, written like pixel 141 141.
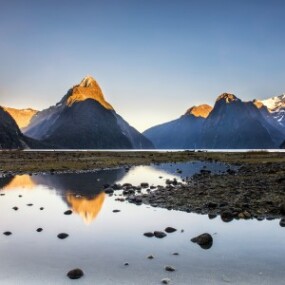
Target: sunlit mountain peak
pixel 88 88
pixel 199 111
pixel 227 97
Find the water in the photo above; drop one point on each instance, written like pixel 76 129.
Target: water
pixel 100 241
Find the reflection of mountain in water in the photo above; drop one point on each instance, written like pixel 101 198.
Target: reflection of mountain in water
pixel 18 181
pixel 82 191
pixel 87 208
pixel 84 184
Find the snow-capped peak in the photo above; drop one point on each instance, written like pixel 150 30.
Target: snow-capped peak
pixel 274 103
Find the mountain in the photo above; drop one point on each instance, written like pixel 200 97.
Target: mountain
pixel 234 124
pixel 21 116
pixel 182 133
pixel 10 134
pixel 83 119
pixel 231 124
pixel 276 106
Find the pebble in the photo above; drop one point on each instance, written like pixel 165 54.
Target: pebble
pixel 15 208
pixel 30 205
pixel 116 211
pixel 41 208
pixel 169 268
pixel 175 253
pixel 75 273
pixel 62 235
pixel 7 233
pixel 159 234
pixel 150 257
pixel 126 264
pixel 68 212
pixel 170 230
pixel 165 281
pixel 148 234
pixel 39 230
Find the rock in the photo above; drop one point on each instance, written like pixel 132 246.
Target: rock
pixel 15 208
pixel 212 205
pixel 116 211
pixel 20 196
pixel 165 281
pixel 39 230
pixel 75 273
pixel 7 233
pixel 30 204
pixel 169 268
pixel 144 184
pixel 150 257
pixel 175 253
pixel 62 235
pixel 227 216
pixel 126 264
pixel 282 209
pixel 68 212
pixel 282 222
pixel 109 191
pixel 170 230
pixel 205 240
pixel 159 234
pixel 41 208
pixel 148 234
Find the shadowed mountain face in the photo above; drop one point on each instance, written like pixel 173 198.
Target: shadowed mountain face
pixel 235 124
pixel 10 134
pixel 232 124
pixel 181 133
pixel 84 120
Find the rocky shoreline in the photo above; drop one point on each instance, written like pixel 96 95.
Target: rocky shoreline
pixel 251 192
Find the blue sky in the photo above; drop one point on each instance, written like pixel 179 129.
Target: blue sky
pixel 153 59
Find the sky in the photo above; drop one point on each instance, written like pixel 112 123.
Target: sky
pixel 152 58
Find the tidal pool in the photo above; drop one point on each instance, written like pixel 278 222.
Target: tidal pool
pixel 100 241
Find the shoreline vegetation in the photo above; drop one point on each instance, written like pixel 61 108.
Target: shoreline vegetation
pixel 254 187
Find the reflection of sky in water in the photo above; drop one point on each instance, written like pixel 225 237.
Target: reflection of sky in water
pixel 244 252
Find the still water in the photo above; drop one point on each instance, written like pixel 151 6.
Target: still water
pixel 100 241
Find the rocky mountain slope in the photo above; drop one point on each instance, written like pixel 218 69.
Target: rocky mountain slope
pixel 181 133
pixel 231 124
pixel 83 119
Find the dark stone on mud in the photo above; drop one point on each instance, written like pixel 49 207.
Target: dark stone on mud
pixel 68 212
pixel 165 281
pixel 75 273
pixel 109 191
pixel 116 211
pixel 150 257
pixel 175 253
pixel 204 240
pixel 282 209
pixel 149 234
pixel 126 264
pixel 212 205
pixel 7 233
pixel 170 230
pixel 39 230
pixel 62 235
pixel 15 208
pixel 159 234
pixel 212 216
pixel 169 268
pixel 282 222
pixel 227 216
